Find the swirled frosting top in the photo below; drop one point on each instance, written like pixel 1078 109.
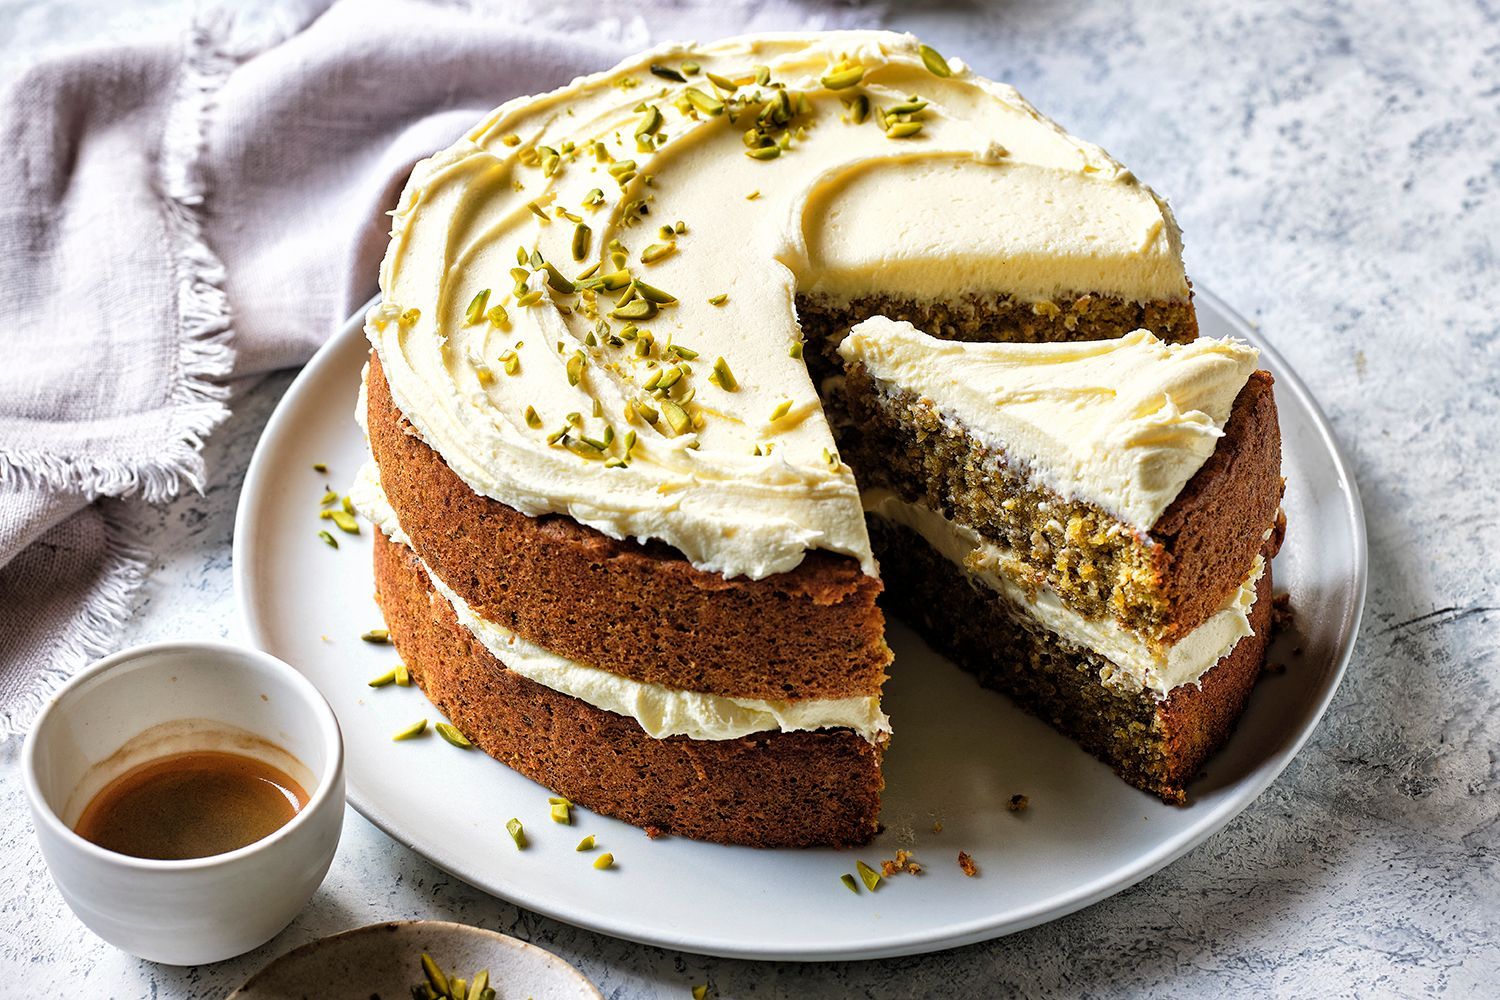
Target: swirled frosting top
pixel 588 300
pixel 1122 424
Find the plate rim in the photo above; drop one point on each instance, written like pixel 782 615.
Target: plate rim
pixel 898 944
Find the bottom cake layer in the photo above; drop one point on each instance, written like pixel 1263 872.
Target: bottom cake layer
pixel 774 789
pixel 1157 744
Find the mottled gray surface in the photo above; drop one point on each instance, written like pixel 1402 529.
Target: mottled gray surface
pixel 1335 167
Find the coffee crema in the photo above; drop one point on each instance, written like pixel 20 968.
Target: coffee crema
pixel 191 805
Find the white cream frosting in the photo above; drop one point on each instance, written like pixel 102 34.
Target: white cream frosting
pixel 1122 424
pixel 989 196
pixel 1137 663
pixel 660 711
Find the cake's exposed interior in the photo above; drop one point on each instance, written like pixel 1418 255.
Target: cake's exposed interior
pixel 624 453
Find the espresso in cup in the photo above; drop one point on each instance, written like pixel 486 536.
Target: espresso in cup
pixel 191 805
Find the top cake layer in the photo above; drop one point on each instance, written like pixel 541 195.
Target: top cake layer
pixel 1121 424
pixel 604 275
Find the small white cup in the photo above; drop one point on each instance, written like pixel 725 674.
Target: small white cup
pixel 164 698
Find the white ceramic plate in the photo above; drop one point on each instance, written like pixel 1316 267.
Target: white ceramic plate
pixel 385 960
pixel 959 752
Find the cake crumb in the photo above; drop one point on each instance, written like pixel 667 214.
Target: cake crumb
pixel 903 862
pixel 1282 615
pixel 1018 803
pixel 966 864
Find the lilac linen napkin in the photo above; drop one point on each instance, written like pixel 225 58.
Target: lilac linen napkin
pixel 182 214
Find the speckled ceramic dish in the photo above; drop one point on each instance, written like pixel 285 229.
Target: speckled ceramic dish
pixel 385 960
pixel 958 756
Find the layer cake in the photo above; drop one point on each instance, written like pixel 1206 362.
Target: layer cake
pixel 623 467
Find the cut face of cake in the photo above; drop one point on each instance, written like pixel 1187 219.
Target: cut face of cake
pixel 1099 517
pixel 623 551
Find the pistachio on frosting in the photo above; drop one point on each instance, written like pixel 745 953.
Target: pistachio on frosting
pixel 588 301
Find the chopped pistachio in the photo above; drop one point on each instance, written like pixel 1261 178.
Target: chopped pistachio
pixel 537 211
pixel 859 108
pixel 533 420
pixel 604 861
pixel 560 813
pixel 654 294
pixel 348 506
pixel 903 130
pixel 725 84
pixel 412 731
pixel 551 160
pixel 575 367
pixel 377 635
pixel 328 498
pixel 752 195
pixel 387 678
pixel 582 235
pixel 320 466
pixel 559 281
pixel 869 876
pixel 344 520
pixel 657 251
pixel 594 197
pixel 762 75
pixel 843 77
pixel 498 316
pixel 635 309
pixel 686 353
pixel 403 675
pixel 933 60
pixel 677 417
pixel 651 123
pixel 511 361
pixel 849 883
pixel 723 377
pixel 530 298
pixel 764 152
pixel 703 102
pixel 908 107
pixel 667 73
pixel 718 300
pixel 586 844
pixel 511 140
pixel 410 317
pixel 795 351
pixel 435 976
pixel 450 733
pixel 329 539
pixel 690 68
pixel 517 832
pixel 782 409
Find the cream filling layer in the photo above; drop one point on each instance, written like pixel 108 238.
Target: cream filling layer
pixel 659 710
pixel 1135 663
pixel 1122 424
pixel 528 406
